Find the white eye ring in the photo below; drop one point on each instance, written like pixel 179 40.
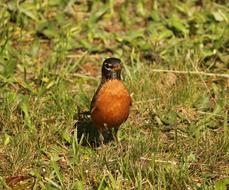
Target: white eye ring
pixel 108 66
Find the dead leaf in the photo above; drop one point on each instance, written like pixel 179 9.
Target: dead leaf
pixel 168 80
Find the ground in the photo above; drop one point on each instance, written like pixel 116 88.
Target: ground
pixel 176 60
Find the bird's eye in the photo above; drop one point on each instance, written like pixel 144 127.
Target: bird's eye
pixel 108 66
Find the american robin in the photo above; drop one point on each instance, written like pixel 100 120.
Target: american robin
pixel 111 102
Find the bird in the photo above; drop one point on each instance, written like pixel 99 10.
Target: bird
pixel 110 105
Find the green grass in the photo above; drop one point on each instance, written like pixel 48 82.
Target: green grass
pixel 177 134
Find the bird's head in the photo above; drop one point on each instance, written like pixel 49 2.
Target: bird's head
pixel 111 69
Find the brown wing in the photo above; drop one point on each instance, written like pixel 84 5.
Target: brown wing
pixel 95 97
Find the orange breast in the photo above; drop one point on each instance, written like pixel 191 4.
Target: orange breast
pixel 112 105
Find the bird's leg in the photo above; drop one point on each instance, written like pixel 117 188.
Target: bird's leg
pixel 116 134
pixel 116 138
pixel 101 138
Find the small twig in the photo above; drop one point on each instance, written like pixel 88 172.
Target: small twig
pixel 223 75
pixel 74 56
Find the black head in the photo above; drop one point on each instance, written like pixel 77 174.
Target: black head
pixel 111 69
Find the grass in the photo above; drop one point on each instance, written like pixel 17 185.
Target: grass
pixel 177 134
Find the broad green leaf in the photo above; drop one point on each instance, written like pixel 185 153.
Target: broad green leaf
pixel 202 102
pixel 170 118
pixel 222 184
pixel 155 16
pixel 176 24
pixel 6 139
pixel 219 16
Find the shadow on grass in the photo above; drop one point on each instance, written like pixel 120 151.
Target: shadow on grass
pixel 87 133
